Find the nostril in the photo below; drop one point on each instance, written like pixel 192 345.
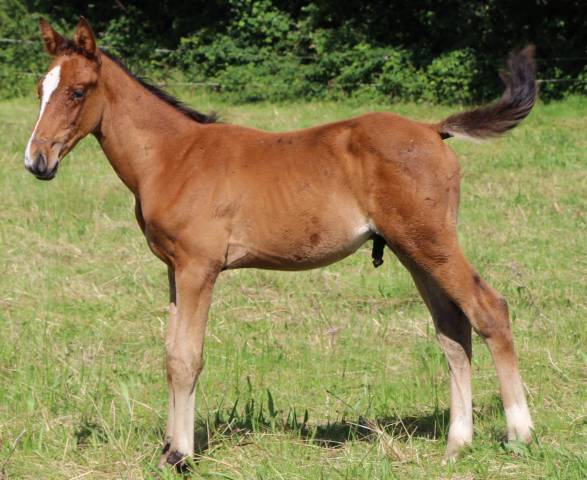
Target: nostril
pixel 40 165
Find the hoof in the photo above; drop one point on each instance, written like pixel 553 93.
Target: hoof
pixel 521 434
pixel 178 460
pixel 451 456
pixel 164 454
pixel 455 447
pixel 519 424
pixel 166 447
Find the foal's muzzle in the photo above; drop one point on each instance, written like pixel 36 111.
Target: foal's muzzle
pixel 39 168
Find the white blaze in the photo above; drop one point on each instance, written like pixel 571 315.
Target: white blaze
pixel 50 84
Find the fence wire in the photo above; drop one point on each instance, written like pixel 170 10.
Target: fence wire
pixel 216 85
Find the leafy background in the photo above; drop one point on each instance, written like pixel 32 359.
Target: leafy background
pixel 437 51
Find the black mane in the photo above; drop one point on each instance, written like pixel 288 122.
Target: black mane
pixel 166 97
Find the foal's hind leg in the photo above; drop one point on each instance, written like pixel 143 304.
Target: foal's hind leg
pixel 443 262
pixel 488 313
pixel 453 331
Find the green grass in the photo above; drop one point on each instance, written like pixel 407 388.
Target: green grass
pixel 83 314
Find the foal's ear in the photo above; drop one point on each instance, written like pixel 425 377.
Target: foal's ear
pixel 51 38
pixel 84 37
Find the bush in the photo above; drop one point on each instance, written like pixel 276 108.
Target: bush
pixel 450 76
pixel 275 50
pixel 23 60
pixel 263 55
pixel 275 80
pixel 359 66
pixel 581 83
pixel 400 79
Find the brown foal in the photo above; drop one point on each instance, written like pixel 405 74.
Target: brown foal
pixel 212 197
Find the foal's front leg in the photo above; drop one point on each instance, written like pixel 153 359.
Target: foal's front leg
pixel 185 346
pixel 171 322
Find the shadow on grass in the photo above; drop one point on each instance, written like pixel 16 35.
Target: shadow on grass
pixel 331 435
pixel 328 435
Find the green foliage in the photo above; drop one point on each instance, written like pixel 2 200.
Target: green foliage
pixel 127 39
pixel 130 40
pixel 400 79
pixel 581 85
pixel 254 61
pixel 450 77
pixel 274 79
pixel 19 61
pixel 259 22
pixel 254 50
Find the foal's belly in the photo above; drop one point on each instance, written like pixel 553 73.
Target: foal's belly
pixel 292 214
pixel 300 243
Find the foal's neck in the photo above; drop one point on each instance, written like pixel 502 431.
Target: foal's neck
pixel 139 132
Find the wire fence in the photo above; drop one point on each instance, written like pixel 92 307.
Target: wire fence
pixel 216 85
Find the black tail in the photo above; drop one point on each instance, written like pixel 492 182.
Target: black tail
pixel 499 117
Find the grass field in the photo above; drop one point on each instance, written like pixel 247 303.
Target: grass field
pixel 333 373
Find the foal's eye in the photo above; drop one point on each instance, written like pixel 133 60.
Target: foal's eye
pixel 78 94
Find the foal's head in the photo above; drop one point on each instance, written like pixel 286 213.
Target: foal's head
pixel 71 106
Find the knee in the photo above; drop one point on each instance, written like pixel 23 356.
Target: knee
pixel 184 366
